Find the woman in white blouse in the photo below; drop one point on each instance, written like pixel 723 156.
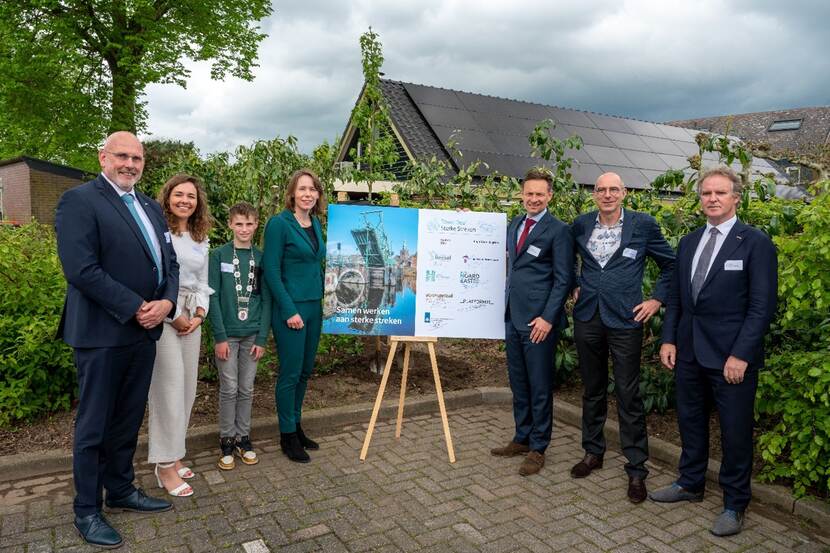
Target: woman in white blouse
pixel 173 388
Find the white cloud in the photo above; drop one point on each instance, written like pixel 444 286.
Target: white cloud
pixel 640 58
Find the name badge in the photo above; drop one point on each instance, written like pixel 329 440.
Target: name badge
pixel 630 253
pixel 226 267
pixel 534 251
pixel 167 237
pixel 733 265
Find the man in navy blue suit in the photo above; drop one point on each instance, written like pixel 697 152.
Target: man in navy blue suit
pixel 122 281
pixel 539 277
pixel 613 244
pixel 718 310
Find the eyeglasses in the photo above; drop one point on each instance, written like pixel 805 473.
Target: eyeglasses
pixel 124 158
pixel 614 191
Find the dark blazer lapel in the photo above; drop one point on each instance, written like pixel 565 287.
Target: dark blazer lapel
pixel 292 222
pixel 685 264
pixel 587 228
pixel 113 198
pixel 730 244
pixel 512 238
pixel 159 227
pixel 318 231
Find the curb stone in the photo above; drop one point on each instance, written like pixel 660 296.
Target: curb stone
pixel 30 465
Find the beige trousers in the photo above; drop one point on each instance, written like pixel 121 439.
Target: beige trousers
pixel 172 393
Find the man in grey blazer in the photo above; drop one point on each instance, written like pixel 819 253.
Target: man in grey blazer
pixel 609 313
pixel 539 278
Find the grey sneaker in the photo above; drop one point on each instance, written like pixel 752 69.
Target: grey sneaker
pixel 728 523
pixel 675 493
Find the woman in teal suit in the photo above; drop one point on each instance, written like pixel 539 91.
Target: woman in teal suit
pixel 292 263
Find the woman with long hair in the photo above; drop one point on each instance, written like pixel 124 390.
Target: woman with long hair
pixel 173 387
pixel 293 266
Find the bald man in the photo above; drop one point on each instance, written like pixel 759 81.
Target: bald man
pixel 122 281
pixel 613 244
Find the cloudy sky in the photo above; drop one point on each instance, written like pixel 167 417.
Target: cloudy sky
pixel 650 59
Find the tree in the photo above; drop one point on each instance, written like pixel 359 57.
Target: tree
pixel 376 149
pixel 73 68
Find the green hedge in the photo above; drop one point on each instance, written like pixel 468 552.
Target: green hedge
pixel 38 374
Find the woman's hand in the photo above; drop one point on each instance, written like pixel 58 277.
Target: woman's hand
pixel 181 323
pixel 295 322
pixel 193 324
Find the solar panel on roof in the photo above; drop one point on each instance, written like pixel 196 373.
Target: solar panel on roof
pixel 632 178
pixel 586 173
pixel 675 162
pixel 662 145
pixel 651 174
pixel 646 160
pixel 675 133
pixel 644 128
pixel 570 117
pixel 448 117
pixel 607 156
pixel 688 148
pixel 433 96
pixel 590 136
pixel 610 123
pixel 627 141
pixel 474 140
pixel 534 112
pixel 510 144
pixel 502 124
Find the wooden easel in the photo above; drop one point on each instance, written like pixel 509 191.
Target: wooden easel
pixel 408 340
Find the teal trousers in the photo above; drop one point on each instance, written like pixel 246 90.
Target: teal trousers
pixel 296 350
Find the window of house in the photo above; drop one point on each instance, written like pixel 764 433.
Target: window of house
pixel 785 125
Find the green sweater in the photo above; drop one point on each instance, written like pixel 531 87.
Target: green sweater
pixel 224 320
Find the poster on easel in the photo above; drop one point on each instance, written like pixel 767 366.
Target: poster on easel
pixel 414 272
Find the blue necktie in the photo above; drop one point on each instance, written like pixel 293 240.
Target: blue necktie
pixel 130 201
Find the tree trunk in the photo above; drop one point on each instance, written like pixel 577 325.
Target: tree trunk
pixel 124 94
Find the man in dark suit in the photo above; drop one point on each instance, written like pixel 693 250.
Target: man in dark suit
pixel 123 281
pixel 609 313
pixel 539 277
pixel 719 307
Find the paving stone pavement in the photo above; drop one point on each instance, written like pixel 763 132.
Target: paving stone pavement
pixel 405 497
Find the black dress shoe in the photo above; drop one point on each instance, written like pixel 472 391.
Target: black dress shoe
pixel 293 449
pixel 96 530
pixel 636 489
pixel 139 502
pixel 305 441
pixel 587 465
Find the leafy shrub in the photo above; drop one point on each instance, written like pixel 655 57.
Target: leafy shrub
pixel 38 373
pixel 793 403
pixel 336 349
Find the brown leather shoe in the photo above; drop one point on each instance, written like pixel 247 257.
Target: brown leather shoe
pixel 510 450
pixel 636 489
pixel 532 464
pixel 586 465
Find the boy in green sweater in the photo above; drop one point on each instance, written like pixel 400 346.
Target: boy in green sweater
pixel 240 315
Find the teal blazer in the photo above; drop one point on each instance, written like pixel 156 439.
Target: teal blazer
pixel 293 270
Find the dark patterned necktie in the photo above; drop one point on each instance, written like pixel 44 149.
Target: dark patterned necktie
pixel 703 263
pixel 528 225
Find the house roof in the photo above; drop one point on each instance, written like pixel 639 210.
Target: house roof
pixel 48 167
pixel 495 131
pixel 813 130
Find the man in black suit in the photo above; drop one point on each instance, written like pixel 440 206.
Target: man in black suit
pixel 539 277
pixel 609 313
pixel 123 281
pixel 719 307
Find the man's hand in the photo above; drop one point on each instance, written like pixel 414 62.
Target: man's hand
pixel 295 322
pixel 257 352
pixel 644 311
pixel 734 369
pixel 540 329
pixel 152 313
pixel 222 350
pixel 575 294
pixel 668 355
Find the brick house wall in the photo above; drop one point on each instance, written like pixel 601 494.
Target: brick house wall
pixel 14 179
pixel 32 187
pixel 46 189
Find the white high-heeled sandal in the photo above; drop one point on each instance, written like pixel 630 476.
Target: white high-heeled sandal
pixel 183 490
pixel 185 473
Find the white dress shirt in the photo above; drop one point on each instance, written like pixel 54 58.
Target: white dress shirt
pixel 151 230
pixel 723 230
pixel 521 229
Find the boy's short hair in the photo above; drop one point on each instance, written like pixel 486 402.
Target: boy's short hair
pixel 244 209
